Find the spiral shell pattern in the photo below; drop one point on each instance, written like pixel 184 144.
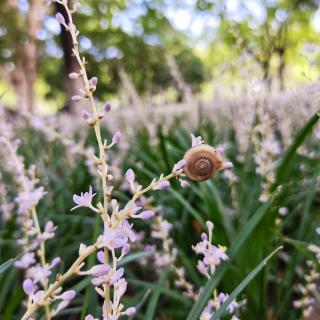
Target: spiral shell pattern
pixel 202 161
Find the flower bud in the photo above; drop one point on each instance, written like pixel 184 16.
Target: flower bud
pixel 76 98
pixel 28 286
pixel 204 236
pixel 181 164
pixel 93 82
pixel 55 262
pixel 184 184
pixel 73 75
pixel 125 250
pixel 107 106
pixel 210 225
pixel 162 185
pixel 68 295
pixel 220 150
pixel 130 311
pixel 116 137
pixel 130 177
pixel 100 256
pixel 85 114
pixel 98 270
pixel 60 18
pixel 227 165
pixel 146 215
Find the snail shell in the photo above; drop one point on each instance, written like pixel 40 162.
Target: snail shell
pixel 202 161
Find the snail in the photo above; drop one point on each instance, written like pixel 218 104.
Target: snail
pixel 202 161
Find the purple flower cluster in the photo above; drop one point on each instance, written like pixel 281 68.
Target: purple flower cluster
pixel 214 304
pixel 35 296
pixel 212 255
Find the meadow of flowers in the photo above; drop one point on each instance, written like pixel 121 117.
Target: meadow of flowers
pixel 208 211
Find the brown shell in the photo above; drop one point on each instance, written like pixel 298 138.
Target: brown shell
pixel 202 161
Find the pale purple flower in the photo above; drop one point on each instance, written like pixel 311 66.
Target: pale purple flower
pixel 55 262
pixel 60 19
pixel 39 274
pixel 28 199
pixel 116 137
pixel 90 317
pixel 28 287
pixel 283 211
pixel 212 255
pixel 49 231
pixel 130 209
pixel 127 229
pixel 130 311
pixel 180 165
pixel 116 276
pixel 101 256
pixel 76 98
pixel 145 215
pixel 125 250
pixel 38 296
pixel 67 295
pixel 184 184
pixel 93 82
pixel 121 287
pixel 97 270
pixel 162 185
pixel 195 141
pixel 74 75
pixel 222 297
pixel 220 149
pixel 86 115
pixel 107 106
pixel 130 177
pixel 203 269
pixel 84 200
pixel 209 225
pixel 114 238
pixel 227 165
pixel 26 260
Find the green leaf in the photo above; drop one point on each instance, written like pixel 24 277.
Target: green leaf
pixel 4 266
pixel 221 311
pixel 155 296
pixel 187 206
pixel 287 160
pixel 134 256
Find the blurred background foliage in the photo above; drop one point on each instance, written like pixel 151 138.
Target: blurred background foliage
pixel 153 51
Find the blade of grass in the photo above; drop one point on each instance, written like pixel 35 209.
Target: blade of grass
pixel 141 303
pixel 155 296
pixel 287 160
pixel 221 311
pixel 4 266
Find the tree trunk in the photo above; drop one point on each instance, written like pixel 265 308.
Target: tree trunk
pixel 23 75
pixel 281 68
pixel 71 87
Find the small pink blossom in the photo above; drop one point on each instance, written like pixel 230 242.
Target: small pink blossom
pixel 84 200
pixel 162 185
pixel 26 260
pixel 28 287
pixel 195 141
